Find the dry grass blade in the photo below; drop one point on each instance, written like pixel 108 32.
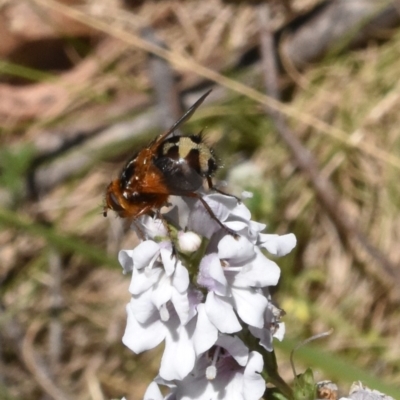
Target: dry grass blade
pixel 36 365
pixel 186 63
pixel 382 270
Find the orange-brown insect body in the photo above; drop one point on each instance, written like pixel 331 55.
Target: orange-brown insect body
pixel 168 166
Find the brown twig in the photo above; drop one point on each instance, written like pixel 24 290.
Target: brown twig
pixel 381 269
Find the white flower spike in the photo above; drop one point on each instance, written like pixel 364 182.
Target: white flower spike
pixel 199 304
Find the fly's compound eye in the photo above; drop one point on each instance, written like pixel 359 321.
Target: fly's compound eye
pixel 113 202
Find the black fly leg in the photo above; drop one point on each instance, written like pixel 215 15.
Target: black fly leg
pixel 212 187
pixel 211 213
pixel 139 231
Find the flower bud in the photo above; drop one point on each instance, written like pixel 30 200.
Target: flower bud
pixel 189 242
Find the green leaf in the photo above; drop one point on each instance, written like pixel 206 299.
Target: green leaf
pixel 336 368
pixel 304 386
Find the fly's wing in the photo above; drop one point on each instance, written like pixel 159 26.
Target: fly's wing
pixel 181 120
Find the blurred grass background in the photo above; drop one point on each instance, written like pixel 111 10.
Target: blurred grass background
pixel 63 294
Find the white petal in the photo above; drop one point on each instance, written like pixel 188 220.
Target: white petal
pixel 211 266
pixel 241 211
pixel 264 335
pixel 253 383
pixel 126 261
pixel 278 245
pixel 144 279
pixel 181 305
pixel 180 279
pixel 206 334
pixel 221 314
pixel 200 220
pixel 256 227
pixel 235 347
pixel 196 387
pixel 236 225
pixel 250 306
pixel 211 274
pixel 179 356
pixel 168 262
pixel 140 337
pixel 280 332
pixel 162 292
pixel 179 211
pixel 230 384
pixel 261 272
pixel 142 307
pixel 163 382
pixel 152 227
pixel 237 251
pixel 195 298
pixel 145 253
pixel 153 392
pixel 218 205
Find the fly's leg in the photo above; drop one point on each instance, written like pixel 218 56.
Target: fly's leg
pixel 212 215
pixel 212 187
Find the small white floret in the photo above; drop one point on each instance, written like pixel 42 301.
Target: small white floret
pixel 189 242
pixel 211 372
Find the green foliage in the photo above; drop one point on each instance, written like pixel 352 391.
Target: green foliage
pixel 304 386
pixel 14 165
pixel 335 366
pixel 16 70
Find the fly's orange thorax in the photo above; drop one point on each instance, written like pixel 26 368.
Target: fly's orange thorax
pixel 131 204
